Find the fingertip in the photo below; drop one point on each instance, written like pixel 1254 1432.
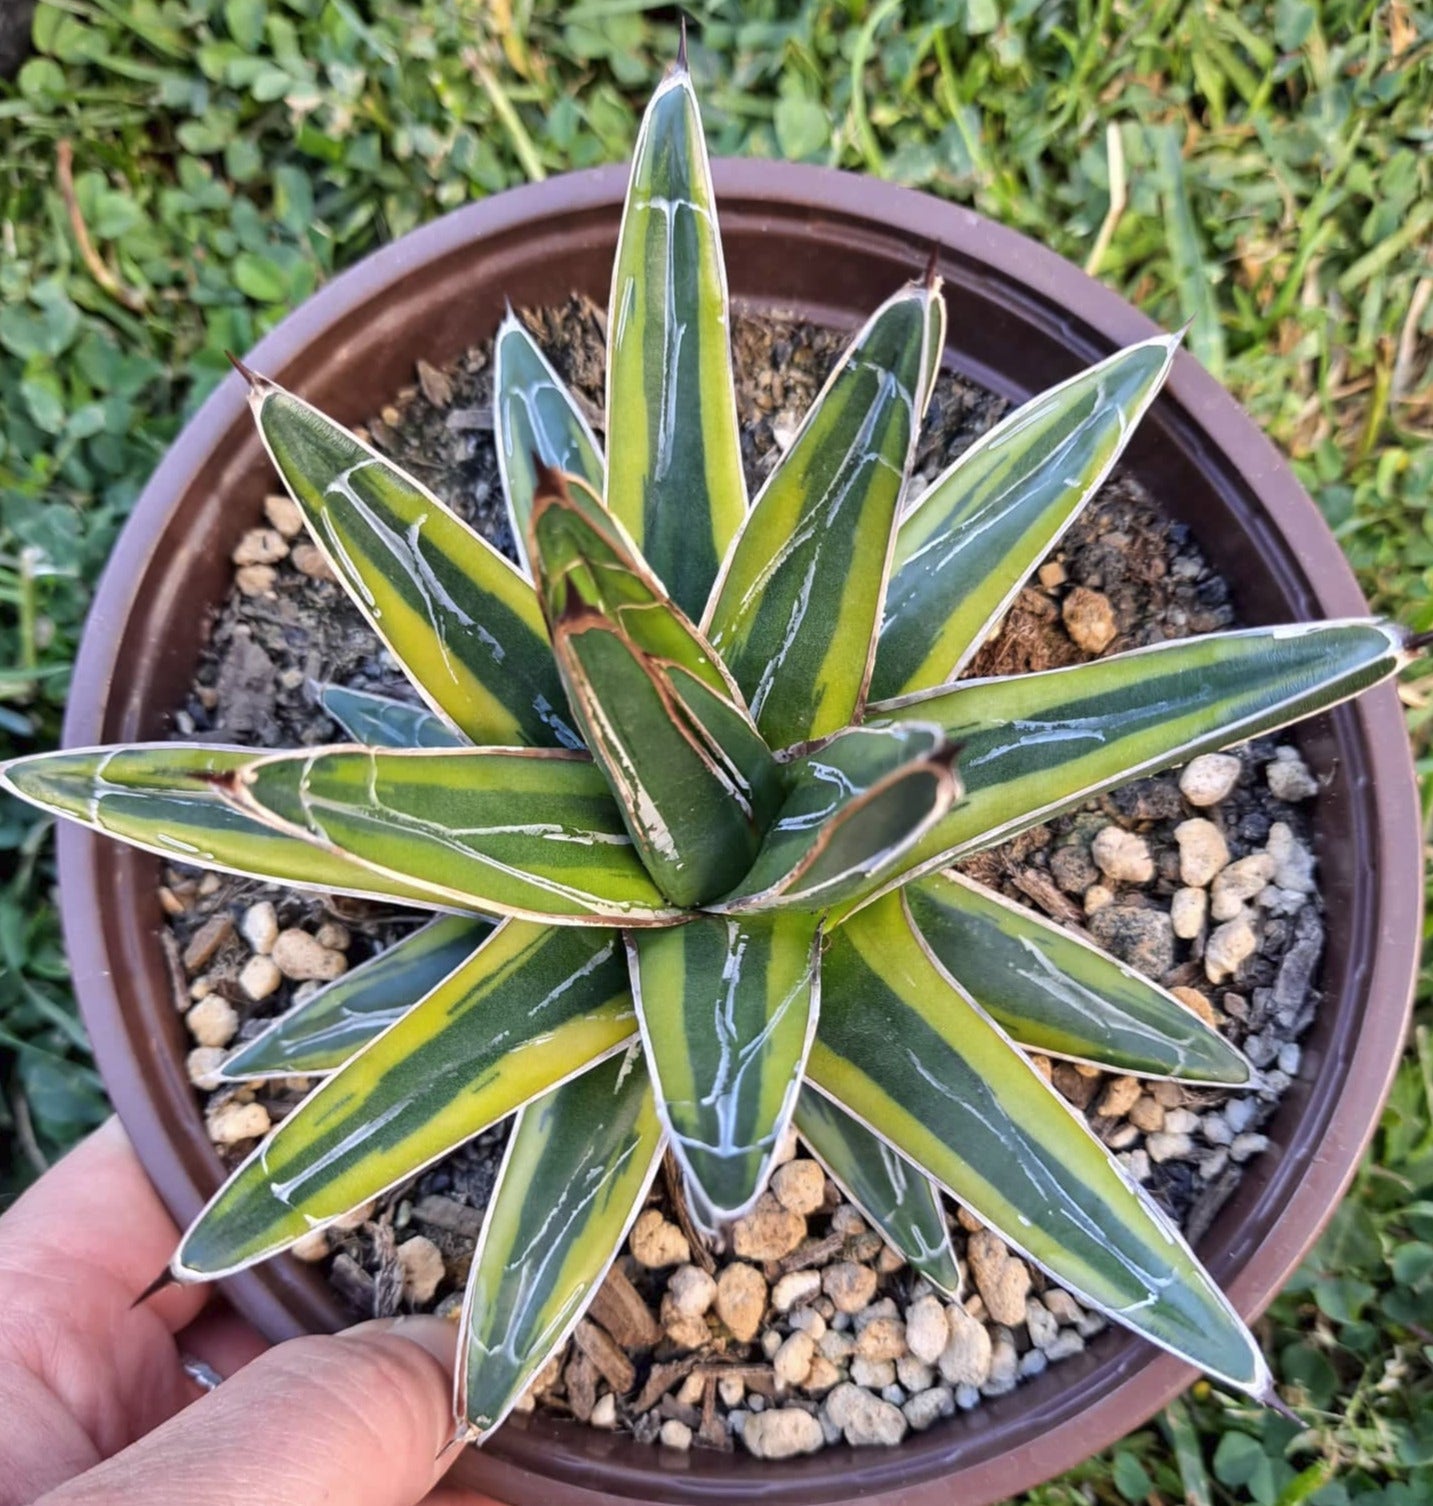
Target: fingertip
pixel 437 1336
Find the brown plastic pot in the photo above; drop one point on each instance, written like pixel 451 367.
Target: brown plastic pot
pixel 829 246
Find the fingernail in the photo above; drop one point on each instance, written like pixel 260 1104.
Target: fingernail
pixel 436 1335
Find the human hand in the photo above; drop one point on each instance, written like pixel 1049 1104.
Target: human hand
pixel 95 1402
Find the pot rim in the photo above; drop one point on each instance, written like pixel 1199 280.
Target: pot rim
pixel 1002 1447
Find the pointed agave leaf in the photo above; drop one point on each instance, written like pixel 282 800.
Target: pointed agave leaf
pixel 380 721
pixel 906 1051
pixel 1034 745
pixel 897 1197
pixel 459 618
pixel 696 784
pixel 798 603
pixel 574 1178
pixel 514 831
pixel 674 474
pixel 1054 992
pixel 727 1007
pixel 535 415
pixel 160 797
pixel 856 806
pixel 532 1007
pixel 967 545
pixel 326 1029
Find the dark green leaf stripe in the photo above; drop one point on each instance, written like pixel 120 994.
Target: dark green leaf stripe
pixel 158 796
pixel 533 1006
pixel 534 414
pixel 967 545
pixel 696 785
pixel 674 474
pixel 902 1048
pixel 897 1197
pixel 1055 993
pixel 575 1175
pixel 854 808
pixel 727 1008
pixel 1034 745
pixel 512 831
pixel 329 1027
pixel 461 620
pixel 796 608
pixel 379 721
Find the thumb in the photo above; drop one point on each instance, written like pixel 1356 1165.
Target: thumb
pixel 358 1418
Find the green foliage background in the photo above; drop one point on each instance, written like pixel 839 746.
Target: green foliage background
pixel 229 155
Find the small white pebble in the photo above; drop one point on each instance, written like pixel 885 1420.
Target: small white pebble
pixel 422 1263
pixel 800 1185
pixel 1187 912
pixel 334 936
pixel 1210 778
pixel 1122 856
pixel 794 1287
pixel 260 926
pixel 259 977
pixel 604 1413
pixel 301 956
pixel 203 1065
pixel 676 1434
pixel 1289 777
pixel 1202 851
pixel 283 513
pixel 1229 946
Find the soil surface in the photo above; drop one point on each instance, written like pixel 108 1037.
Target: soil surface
pixel 1123 577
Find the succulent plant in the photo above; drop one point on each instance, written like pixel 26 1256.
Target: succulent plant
pixel 686 790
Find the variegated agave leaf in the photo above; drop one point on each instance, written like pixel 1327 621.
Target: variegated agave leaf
pixel 675 479
pixel 968 543
pixel 512 831
pixel 325 1030
pixel 533 1006
pixel 536 421
pixel 727 1007
pixel 798 603
pixel 696 785
pixel 574 1177
pixel 789 945
pixel 903 1048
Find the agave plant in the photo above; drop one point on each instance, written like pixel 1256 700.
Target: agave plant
pixel 687 790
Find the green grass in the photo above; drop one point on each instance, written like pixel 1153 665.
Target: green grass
pixel 1262 169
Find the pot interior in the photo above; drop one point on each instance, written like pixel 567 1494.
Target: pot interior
pixel 828 248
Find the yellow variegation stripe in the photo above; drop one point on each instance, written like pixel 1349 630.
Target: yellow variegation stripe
pixel 1034 745
pixel 796 609
pixel 1054 992
pixel 460 619
pixel 727 1007
pixel 512 831
pixel 674 475
pixel 533 1006
pixel 534 414
pixel 159 797
pixel 897 1197
pixel 967 545
pixel 902 1048
pixel 326 1029
pixel 575 1175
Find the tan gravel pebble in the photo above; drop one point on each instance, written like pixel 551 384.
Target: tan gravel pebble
pixel 310 560
pixel 205 942
pixel 782 1433
pixel 965 1360
pixel 1119 1098
pixel 300 956
pixel 799 1186
pixel 213 1021
pixel 311 1247
pixel 792 1360
pixel 284 514
pixel 656 1243
pixel 768 1232
pixel 202 1064
pixel 255 580
pixel 1187 912
pixel 1089 619
pixel 741 1299
pixel 1238 883
pixel 260 546
pixel 422 1263
pixel 1001 1278
pixel 849 1286
pixel 690 1292
pixel 232 1123
pixel 1229 946
pixel 1210 778
pixel 259 977
pixel 1122 856
pixel 1202 851
pixel 927 1331
pixel 794 1287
